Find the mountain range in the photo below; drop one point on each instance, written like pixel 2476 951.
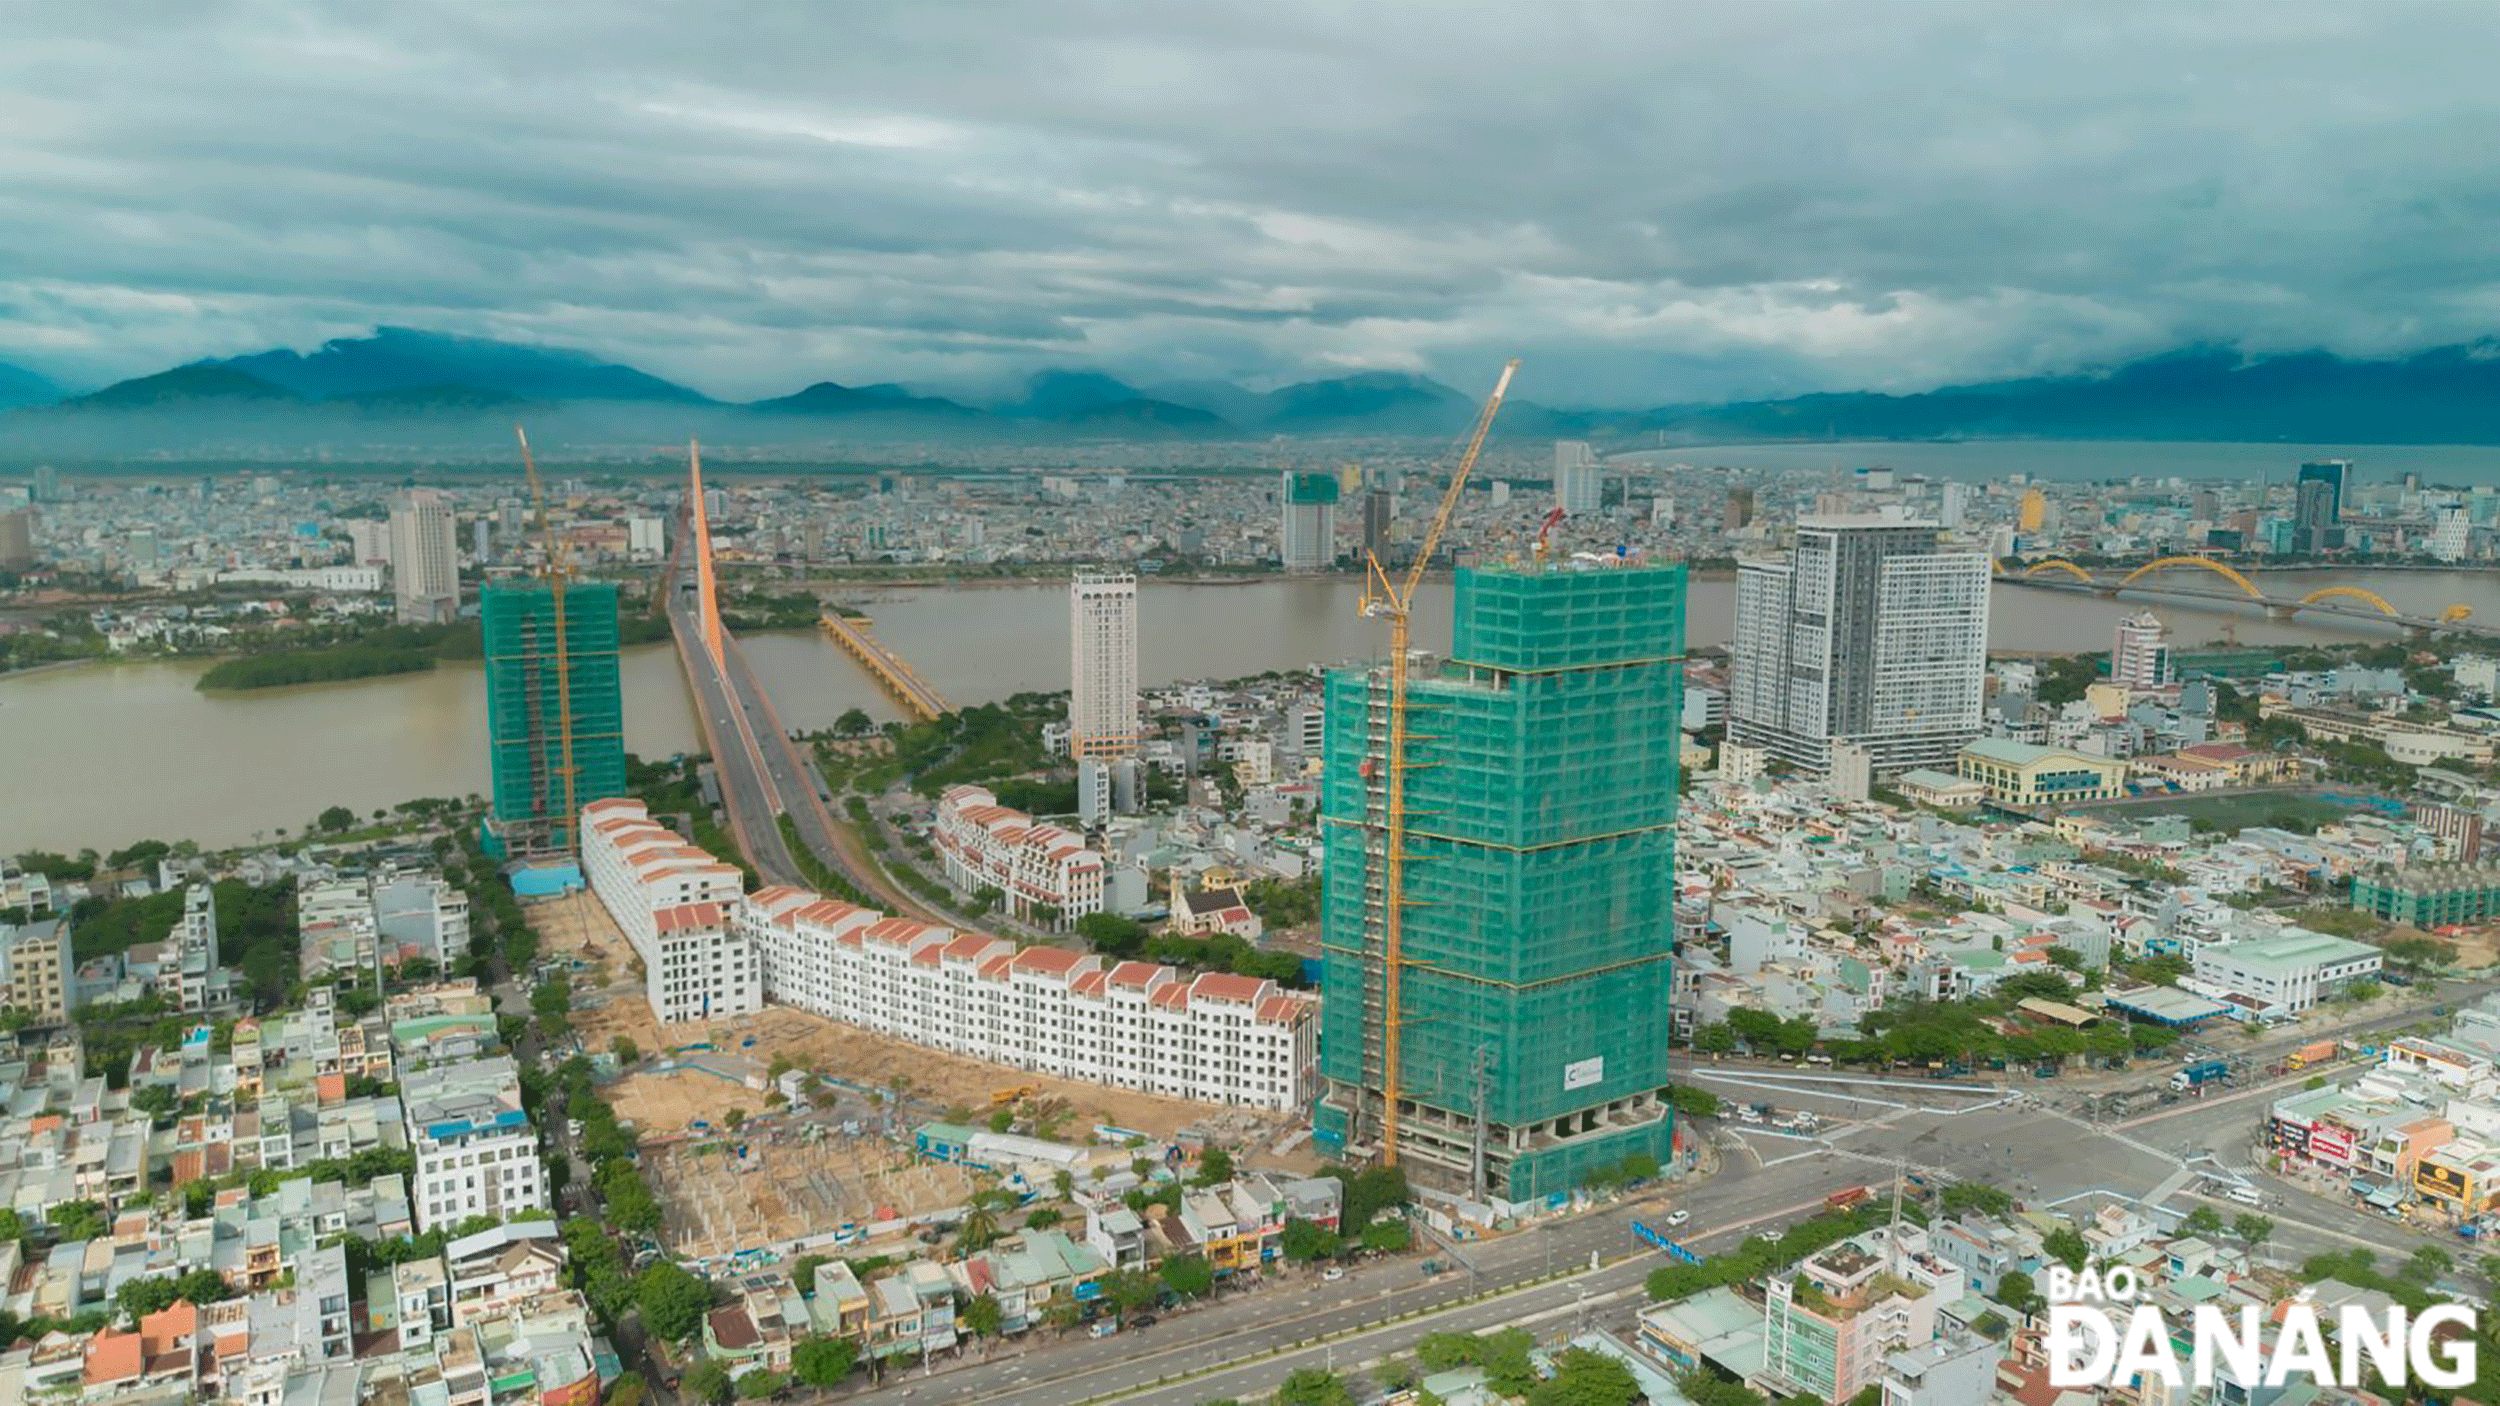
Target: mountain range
pixel 418 387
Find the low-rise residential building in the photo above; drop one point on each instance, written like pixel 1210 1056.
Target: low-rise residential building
pixel 475 1151
pixel 1034 865
pixel 1212 1037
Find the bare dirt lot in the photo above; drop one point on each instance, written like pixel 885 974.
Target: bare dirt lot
pixel 789 1185
pixel 932 1081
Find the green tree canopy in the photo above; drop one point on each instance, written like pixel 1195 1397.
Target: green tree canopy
pixel 672 1301
pixel 823 1362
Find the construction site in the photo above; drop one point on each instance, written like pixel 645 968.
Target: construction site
pixel 841 1161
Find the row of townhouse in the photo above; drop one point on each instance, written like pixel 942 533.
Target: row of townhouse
pixel 672 902
pixel 1213 1037
pixel 1033 864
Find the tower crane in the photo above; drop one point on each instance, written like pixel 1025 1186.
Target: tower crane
pixel 1383 598
pixel 555 570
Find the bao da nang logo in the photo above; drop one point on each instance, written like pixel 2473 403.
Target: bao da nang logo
pixel 2100 1335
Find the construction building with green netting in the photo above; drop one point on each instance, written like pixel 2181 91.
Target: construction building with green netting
pixel 1539 879
pixel 525 710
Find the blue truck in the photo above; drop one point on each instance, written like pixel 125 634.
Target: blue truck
pixel 2196 1076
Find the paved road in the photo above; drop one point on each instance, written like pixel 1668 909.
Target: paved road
pixel 1355 1312
pixel 734 730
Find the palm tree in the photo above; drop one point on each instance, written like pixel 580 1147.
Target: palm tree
pixel 979 1229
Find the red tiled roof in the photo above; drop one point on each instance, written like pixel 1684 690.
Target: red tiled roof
pixel 997 966
pixel 1279 1010
pixel 894 930
pixel 1091 983
pixel 1225 986
pixel 619 804
pixel 969 945
pixel 1173 997
pixel 687 917
pixel 1050 961
pixel 732 1329
pixel 1135 973
pixel 113 1358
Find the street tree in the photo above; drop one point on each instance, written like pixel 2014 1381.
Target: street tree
pixel 1312 1386
pixel 672 1301
pixel 824 1362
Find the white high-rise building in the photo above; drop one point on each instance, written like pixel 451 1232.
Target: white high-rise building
pixel 1868 633
pixel 1579 481
pixel 425 557
pixel 369 542
pixel 1956 504
pixel 1306 538
pixel 1102 664
pixel 2140 657
pixel 2449 536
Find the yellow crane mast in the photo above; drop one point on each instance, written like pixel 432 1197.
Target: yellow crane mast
pixel 1382 597
pixel 555 571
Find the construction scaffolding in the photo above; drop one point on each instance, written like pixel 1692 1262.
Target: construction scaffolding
pixel 526 707
pixel 1539 885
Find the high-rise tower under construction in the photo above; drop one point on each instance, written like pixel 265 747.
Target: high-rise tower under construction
pixel 1531 971
pixel 527 710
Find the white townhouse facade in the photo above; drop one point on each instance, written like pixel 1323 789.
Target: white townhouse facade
pixel 1034 864
pixel 1212 1037
pixel 673 903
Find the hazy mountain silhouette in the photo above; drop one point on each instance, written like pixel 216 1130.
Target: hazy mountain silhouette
pixel 413 388
pixel 402 359
pixel 19 386
pixel 833 398
pixel 2448 395
pixel 200 382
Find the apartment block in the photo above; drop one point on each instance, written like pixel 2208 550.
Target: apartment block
pixel 1868 632
pixel 1829 1329
pixel 1212 1037
pixel 1036 865
pixel 476 1153
pixel 35 970
pixel 672 901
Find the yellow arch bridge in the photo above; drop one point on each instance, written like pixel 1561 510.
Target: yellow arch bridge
pixel 884 665
pixel 2246 586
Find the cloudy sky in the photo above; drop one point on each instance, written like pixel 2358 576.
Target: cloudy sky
pixel 1649 201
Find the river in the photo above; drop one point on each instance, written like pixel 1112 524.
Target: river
pixel 1984 460
pixel 106 754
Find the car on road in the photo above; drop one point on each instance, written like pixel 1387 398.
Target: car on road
pixel 1143 1320
pixel 1332 1274
pixel 1678 1216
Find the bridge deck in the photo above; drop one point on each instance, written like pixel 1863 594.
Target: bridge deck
pixel 885 666
pixel 2280 606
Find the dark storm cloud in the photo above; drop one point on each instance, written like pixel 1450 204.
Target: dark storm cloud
pixel 1655 201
